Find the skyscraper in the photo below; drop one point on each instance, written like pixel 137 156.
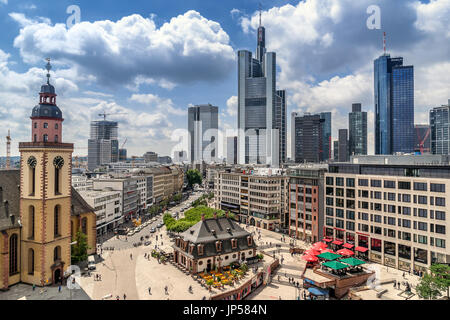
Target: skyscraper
pixel 203 126
pixel 308 138
pixel 261 108
pixel 326 136
pixel 343 145
pixel 103 145
pixel 232 150
pixel 357 124
pixel 440 129
pixel 394 105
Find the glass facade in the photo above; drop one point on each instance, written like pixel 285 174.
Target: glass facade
pixel 357 124
pixel 440 130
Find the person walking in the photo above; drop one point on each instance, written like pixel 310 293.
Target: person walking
pixel 166 289
pixel 149 291
pixel 131 256
pixel 59 289
pixel 124 296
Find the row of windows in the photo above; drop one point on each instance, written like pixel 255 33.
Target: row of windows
pixel 45 125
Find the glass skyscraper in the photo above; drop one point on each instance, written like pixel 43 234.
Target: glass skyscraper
pixel 394 105
pixel 261 108
pixel 357 124
pixel 103 145
pixel 326 136
pixel 203 126
pixel 440 129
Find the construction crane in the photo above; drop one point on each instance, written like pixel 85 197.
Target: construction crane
pixel 123 144
pixel 8 150
pixel 104 114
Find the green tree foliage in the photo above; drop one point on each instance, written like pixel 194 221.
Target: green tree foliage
pixel 79 250
pixel 177 197
pixel 427 288
pixel 193 177
pixel 441 276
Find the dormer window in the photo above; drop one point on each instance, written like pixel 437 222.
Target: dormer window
pixel 249 241
pixel 191 248
pixel 233 243
pixel 200 249
pixel 219 246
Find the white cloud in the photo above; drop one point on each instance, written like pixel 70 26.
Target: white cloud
pixel 232 106
pixel 185 49
pixel 162 104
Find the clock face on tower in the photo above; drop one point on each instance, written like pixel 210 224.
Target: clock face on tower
pixel 58 162
pixel 32 162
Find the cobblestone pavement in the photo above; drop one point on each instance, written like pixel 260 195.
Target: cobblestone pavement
pixel 23 291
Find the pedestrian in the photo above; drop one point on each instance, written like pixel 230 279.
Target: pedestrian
pixel 59 289
pixel 131 256
pixel 403 275
pixel 149 291
pixel 124 296
pixel 34 287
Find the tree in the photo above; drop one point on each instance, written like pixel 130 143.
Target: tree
pixel 79 250
pixel 193 177
pixel 427 288
pixel 441 276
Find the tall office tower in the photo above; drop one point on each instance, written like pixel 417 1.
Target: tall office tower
pixel 308 138
pixel 261 108
pixel 103 145
pixel 394 105
pixel 357 124
pixel 326 138
pixel 293 116
pixel 422 138
pixel 440 129
pixel 203 126
pixel 150 156
pixel 122 155
pixel 336 150
pixel 232 150
pixel 343 145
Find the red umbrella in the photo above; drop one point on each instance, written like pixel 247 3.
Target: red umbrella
pixel 309 258
pixel 328 250
pixel 319 246
pixel 345 252
pixel 312 252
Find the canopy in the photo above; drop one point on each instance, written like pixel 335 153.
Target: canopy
pixel 309 258
pixel 319 246
pixel 348 245
pixel 338 242
pixel 312 252
pixel 361 249
pixel 329 256
pixel 327 240
pixel 328 250
pixel 345 252
pixel 352 261
pixel 335 265
pixel 317 291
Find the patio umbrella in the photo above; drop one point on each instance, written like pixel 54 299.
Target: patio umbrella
pixel 352 261
pixel 329 256
pixel 312 252
pixel 319 246
pixel 345 252
pixel 309 258
pixel 327 250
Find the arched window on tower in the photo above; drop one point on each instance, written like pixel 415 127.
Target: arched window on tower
pixel 57 254
pixel 57 222
pixel 35 138
pixel 45 125
pixel 30 261
pixel 56 126
pixel 13 268
pixel 45 137
pixel 56 138
pixel 35 125
pixel 31 222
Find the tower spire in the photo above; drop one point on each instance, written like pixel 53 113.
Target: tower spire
pixel 48 67
pixel 260 13
pixel 384 42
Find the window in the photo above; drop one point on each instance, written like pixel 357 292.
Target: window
pixel 330 181
pixel 45 138
pixel 377 195
pixel 56 126
pixel 440 215
pixel 391 221
pixel 329 191
pixel 406 211
pixel 340 182
pixel 391 208
pixel 391 196
pixel 375 183
pixel 420 255
pixel 13 267
pixel 30 261
pixel 405 185
pixel 57 253
pixel 350 225
pixel 423 213
pixel 56 138
pixel 406 223
pixel 350 193
pixel 339 192
pixel 340 203
pixel 339 213
pixel 329 222
pixel 84 225
pixel 200 249
pixel 363 182
pixel 422 226
pixel 233 243
pixel 363 216
pixel 422 200
pixel 440 243
pixel 404 251
pixel 389 184
pixel 420 186
pixel 45 125
pixel 440 229
pixel 35 125
pixel 329 201
pixel 329 211
pixel 437 187
pixel 339 223
pixel 377 218
pixel 422 239
pixel 406 198
pixel 351 204
pixel 350 182
pixel 440 202
pixel 57 222
pixel 31 221
pixel 389 248
pixel 350 215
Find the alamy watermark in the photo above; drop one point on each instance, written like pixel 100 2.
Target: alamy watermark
pixel 374 20
pixel 75 15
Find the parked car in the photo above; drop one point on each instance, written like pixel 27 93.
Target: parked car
pixel 147 243
pixel 159 225
pixel 91 263
pixel 152 230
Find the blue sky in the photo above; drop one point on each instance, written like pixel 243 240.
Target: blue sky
pixel 152 59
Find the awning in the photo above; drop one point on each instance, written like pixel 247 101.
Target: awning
pixel 335 265
pixel 327 240
pixel 345 252
pixel 329 256
pixel 319 246
pixel 348 245
pixel 312 252
pixel 352 261
pixel 318 291
pixel 310 258
pixel 361 249
pixel 338 242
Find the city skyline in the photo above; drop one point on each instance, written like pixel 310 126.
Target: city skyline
pixel 157 103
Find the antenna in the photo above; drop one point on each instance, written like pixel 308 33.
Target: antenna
pixel 8 150
pixel 384 42
pixel 260 12
pixel 48 67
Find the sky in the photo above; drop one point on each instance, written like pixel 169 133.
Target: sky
pixel 148 61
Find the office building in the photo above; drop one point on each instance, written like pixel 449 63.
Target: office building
pixel 343 155
pixel 203 124
pixel 232 149
pixel 422 138
pixel 440 129
pixel 179 157
pixel 261 108
pixel 122 155
pixel 336 150
pixel 326 136
pixel 357 124
pixel 391 210
pixel 306 202
pixel 151 157
pixel 308 138
pixel 103 145
pixel 394 105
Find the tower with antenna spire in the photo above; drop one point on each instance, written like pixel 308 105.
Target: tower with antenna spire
pixel 261 43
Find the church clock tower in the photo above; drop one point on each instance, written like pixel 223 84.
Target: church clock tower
pixel 45 194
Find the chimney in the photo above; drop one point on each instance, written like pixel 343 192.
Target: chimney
pixel 203 217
